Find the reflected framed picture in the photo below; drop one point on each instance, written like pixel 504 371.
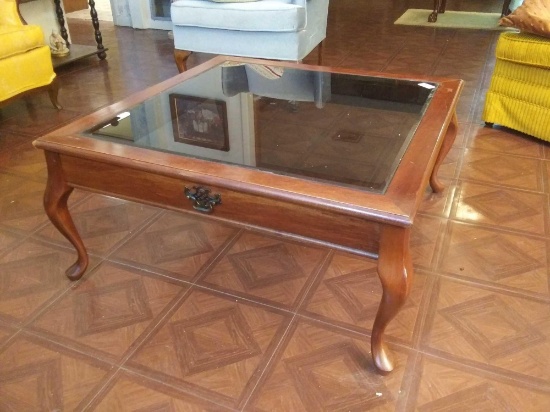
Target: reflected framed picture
pixel 200 122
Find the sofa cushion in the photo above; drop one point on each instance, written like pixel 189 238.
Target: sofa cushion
pixel 533 16
pixel 19 39
pixel 524 48
pixel 266 15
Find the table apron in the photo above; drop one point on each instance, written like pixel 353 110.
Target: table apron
pixel 326 227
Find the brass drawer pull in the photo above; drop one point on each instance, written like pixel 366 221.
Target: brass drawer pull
pixel 202 201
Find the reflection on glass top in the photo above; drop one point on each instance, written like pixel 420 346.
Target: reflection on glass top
pixel 337 128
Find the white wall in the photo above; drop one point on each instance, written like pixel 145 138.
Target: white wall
pixel 42 13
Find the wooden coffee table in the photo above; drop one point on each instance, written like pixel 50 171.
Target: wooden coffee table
pixel 337 157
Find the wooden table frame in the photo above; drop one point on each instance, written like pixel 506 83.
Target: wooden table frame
pixel 376 225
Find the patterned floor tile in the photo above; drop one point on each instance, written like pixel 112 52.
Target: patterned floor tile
pixel 177 245
pixel 21 206
pixel 323 370
pixel 107 312
pixel 510 260
pixel 503 141
pixel 349 292
pixel 425 240
pixel 30 276
pixel 6 332
pixel 39 120
pixel 438 204
pixel 135 394
pixel 450 165
pixel 8 241
pixel 499 333
pixel 103 222
pixel 500 207
pixel 213 345
pixel 8 140
pixel 21 203
pixel 259 267
pixel 546 168
pixel 35 376
pixel 25 160
pixel 502 169
pixel 446 388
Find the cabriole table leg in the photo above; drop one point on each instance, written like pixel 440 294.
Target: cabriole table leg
pixel 396 272
pixel 55 202
pixel 448 141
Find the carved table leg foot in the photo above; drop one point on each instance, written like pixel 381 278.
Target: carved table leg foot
pixel 396 273
pixel 53 92
pixel 55 202
pixel 448 141
pixel 181 57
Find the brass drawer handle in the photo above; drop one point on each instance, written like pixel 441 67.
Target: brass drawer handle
pixel 202 201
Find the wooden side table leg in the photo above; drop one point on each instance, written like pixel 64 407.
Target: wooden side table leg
pixel 61 20
pixel 320 53
pixel 432 18
pixel 396 273
pixel 53 91
pixel 448 141
pixel 55 202
pixel 95 23
pixel 181 57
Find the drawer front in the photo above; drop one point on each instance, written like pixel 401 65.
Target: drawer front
pixel 280 215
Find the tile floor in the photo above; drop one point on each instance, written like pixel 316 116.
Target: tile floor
pixel 166 319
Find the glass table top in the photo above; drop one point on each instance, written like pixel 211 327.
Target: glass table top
pixel 337 128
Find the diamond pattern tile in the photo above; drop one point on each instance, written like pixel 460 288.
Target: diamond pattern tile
pixel 213 340
pixel 499 207
pixel 506 259
pixel 108 311
pixel 503 141
pixel 21 206
pixel 24 160
pixel 444 388
pixel 439 204
pixel 213 345
pixel 265 268
pixel 6 332
pixel 8 241
pixel 497 332
pixel 348 295
pixel 425 240
pixel 103 222
pixel 506 333
pixel 132 394
pixel 21 203
pixel 320 369
pixel 37 376
pixel 182 245
pixel 505 170
pixel 30 275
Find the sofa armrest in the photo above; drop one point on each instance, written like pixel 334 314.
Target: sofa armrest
pixel 9 13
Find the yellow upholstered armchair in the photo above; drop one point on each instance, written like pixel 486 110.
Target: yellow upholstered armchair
pixel 25 60
pixel 519 93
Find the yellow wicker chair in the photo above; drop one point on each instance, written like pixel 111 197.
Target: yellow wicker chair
pixel 25 60
pixel 519 94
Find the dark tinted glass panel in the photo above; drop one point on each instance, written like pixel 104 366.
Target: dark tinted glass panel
pixel 351 130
